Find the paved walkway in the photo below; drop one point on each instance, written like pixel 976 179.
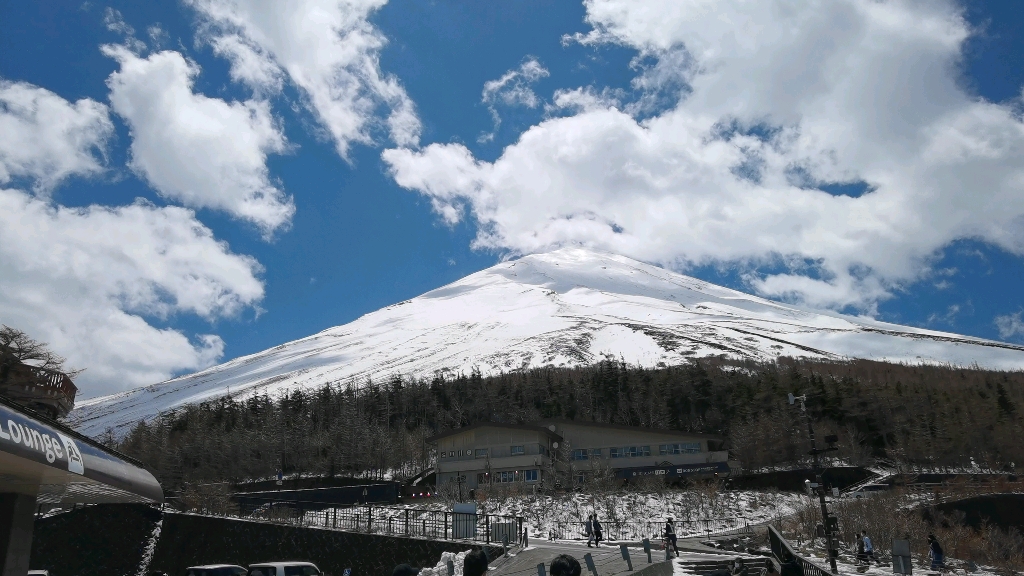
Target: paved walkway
pixel 607 558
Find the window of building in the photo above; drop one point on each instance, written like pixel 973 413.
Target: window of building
pixel 580 454
pixel 627 452
pixel 518 451
pixel 595 453
pixel 532 475
pixel 481 452
pixel 682 448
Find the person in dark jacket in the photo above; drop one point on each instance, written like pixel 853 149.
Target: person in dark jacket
pixel 670 537
pixel 598 532
pixel 590 530
pixel 405 570
pixel 935 553
pixel 475 563
pixel 565 565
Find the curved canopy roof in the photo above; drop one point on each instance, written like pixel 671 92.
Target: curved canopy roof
pixel 44 458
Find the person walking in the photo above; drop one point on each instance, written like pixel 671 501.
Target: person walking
pixel 861 557
pixel 869 548
pixel 598 536
pixel 590 530
pixel 935 553
pixel 670 537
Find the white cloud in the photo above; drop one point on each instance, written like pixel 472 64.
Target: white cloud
pixel 744 108
pixel 46 138
pixel 82 279
pixel 201 151
pixel 1010 325
pixel 115 22
pixel 328 49
pixel 513 88
pixel 158 36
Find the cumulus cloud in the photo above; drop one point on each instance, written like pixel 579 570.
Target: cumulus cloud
pixel 513 88
pixel 201 151
pixel 744 118
pixel 46 138
pixel 1010 325
pixel 84 280
pixel 328 49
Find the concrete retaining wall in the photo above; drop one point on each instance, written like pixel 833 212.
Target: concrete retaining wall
pixel 109 540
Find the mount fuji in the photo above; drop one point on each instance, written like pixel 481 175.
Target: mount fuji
pixel 570 307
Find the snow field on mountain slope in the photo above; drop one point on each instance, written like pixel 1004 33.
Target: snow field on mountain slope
pixel 571 307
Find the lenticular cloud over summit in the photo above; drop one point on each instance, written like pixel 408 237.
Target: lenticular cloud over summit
pixel 570 307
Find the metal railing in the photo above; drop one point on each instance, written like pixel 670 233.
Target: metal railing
pixel 788 561
pixel 637 530
pixel 411 522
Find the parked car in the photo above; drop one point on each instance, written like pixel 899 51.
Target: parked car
pixel 216 570
pixel 284 569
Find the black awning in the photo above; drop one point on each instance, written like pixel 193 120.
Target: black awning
pixel 45 458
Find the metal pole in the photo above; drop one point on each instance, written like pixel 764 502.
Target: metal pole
pixel 818 477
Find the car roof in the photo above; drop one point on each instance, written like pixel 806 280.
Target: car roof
pixel 281 564
pixel 212 566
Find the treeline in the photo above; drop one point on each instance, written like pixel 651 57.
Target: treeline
pixel 924 415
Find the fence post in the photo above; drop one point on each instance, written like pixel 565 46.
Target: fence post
pixel 487 527
pixel 369 519
pixel 647 548
pixel 625 556
pixel 445 537
pixel 406 521
pixel 540 570
pixel 334 522
pixel 590 563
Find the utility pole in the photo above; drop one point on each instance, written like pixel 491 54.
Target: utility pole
pixel 830 528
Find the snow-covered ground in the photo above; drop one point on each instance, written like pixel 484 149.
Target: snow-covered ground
pixel 625 515
pixel 570 307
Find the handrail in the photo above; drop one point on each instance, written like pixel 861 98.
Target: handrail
pixel 393 521
pixel 782 549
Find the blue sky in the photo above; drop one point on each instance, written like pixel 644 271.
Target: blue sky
pixel 306 223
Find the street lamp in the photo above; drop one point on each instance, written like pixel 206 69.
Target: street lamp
pixel 830 529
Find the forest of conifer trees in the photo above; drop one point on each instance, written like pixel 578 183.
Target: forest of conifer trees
pixel 920 415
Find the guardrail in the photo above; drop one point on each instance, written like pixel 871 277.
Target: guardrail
pixel 785 556
pixel 410 522
pixel 636 530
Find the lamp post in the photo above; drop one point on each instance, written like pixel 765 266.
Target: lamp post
pixel 831 523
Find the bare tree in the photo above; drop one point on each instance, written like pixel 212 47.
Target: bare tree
pixel 17 344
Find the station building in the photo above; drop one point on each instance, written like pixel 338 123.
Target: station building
pixel 495 453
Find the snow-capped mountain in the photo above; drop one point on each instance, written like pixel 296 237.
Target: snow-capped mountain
pixel 570 307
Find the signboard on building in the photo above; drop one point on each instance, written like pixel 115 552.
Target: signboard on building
pixel 674 471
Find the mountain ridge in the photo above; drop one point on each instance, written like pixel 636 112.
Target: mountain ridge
pixel 569 307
